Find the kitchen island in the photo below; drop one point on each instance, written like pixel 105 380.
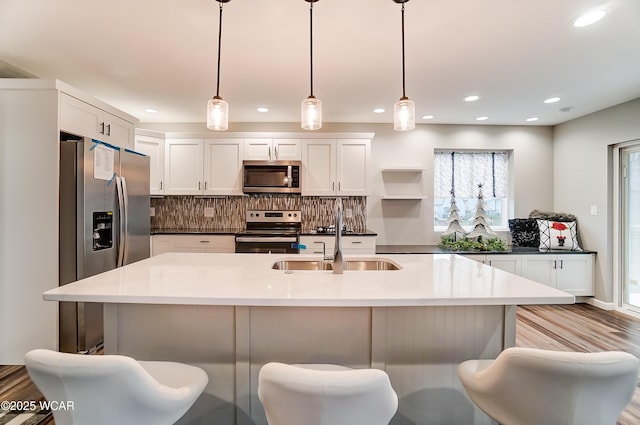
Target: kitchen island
pixel 232 313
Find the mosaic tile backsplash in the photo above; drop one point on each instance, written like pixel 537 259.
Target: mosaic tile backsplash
pixel 187 212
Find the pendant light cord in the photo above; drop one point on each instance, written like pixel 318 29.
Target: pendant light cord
pixel 404 96
pixel 219 48
pixel 311 47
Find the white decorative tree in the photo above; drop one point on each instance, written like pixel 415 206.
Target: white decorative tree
pixel 481 220
pixel 454 220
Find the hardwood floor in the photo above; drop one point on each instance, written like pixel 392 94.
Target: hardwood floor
pixel 578 327
pixel 581 327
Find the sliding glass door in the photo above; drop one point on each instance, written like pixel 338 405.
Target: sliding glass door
pixel 630 197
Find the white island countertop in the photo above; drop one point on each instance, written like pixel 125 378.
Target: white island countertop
pixel 249 280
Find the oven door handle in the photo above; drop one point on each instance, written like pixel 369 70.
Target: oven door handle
pixel 265 239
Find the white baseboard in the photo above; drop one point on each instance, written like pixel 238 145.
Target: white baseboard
pixel 601 304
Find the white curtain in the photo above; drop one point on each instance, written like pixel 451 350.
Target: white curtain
pixel 464 171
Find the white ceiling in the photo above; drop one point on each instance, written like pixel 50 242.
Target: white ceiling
pixel 135 54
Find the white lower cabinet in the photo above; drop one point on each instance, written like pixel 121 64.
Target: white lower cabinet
pixel 569 272
pixel 318 244
pixel 192 243
pixel 508 263
pixel 572 273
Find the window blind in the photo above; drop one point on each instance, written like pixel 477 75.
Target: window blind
pixel 462 172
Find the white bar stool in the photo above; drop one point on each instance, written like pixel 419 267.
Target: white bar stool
pixel 114 390
pixel 322 394
pixel 526 386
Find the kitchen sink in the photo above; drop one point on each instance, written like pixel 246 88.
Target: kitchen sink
pixel 373 264
pixel 302 265
pixel 351 264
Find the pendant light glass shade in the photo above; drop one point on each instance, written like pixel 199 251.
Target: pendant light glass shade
pixel 217 114
pixel 404 110
pixel 311 116
pixel 218 109
pixel 404 115
pixel 311 113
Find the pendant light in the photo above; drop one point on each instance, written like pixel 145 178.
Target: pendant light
pixel 217 108
pixel 311 107
pixel 404 110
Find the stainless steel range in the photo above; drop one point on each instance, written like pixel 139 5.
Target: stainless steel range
pixel 270 232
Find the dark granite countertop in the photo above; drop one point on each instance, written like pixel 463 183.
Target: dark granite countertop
pixel 433 249
pixel 232 231
pixel 192 231
pixel 366 232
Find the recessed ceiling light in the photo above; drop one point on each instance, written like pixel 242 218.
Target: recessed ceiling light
pixel 379 110
pixel 428 117
pixel 471 98
pixel 262 109
pixel 589 18
pixel 151 110
pixel 531 119
pixel 482 118
pixel 552 100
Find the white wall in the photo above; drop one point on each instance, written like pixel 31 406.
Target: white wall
pixel 582 169
pixel 411 222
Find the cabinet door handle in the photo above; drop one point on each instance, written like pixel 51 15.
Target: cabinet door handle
pixel 205 185
pixel 205 241
pixel 355 242
pixel 269 152
pixel 555 264
pixel 333 185
pixel 276 150
pixel 339 186
pixel 102 127
pixel 160 184
pixel 108 129
pixel 561 264
pixel 199 186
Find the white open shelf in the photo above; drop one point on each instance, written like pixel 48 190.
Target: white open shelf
pixel 403 183
pixel 404 197
pixel 403 170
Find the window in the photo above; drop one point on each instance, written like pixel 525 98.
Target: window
pixel 460 173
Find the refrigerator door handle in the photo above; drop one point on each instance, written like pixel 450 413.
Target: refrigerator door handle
pixel 121 230
pixel 125 225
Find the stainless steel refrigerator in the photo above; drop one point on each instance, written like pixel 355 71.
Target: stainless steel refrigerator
pixel 104 224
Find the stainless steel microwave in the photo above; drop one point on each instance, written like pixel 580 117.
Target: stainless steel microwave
pixel 271 176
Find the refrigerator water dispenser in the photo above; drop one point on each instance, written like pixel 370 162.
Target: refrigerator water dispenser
pixel 102 230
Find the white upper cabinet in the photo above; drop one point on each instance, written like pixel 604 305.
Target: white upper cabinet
pixel 287 149
pixel 273 149
pixel 86 120
pixel 153 147
pixel 353 158
pixel 203 167
pixel 223 167
pixel 336 167
pixel 319 167
pixel 184 167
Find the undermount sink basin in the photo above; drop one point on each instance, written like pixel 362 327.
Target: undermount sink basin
pixel 302 265
pixel 351 264
pixel 377 264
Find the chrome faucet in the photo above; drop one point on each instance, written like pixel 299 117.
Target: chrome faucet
pixel 337 255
